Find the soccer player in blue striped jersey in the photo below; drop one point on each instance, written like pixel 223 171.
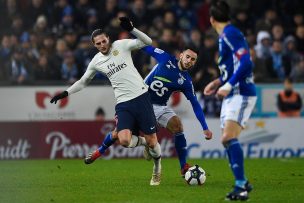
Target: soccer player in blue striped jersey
pixel 236 86
pixel 167 76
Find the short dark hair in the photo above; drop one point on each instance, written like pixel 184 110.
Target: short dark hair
pixel 220 11
pixel 192 48
pixel 98 32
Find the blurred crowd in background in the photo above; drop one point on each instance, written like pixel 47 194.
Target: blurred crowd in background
pixel 49 40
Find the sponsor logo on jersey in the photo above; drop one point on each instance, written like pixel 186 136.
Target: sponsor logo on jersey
pixel 159 51
pixel 115 52
pixel 115 68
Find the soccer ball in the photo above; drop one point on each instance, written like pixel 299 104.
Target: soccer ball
pixel 195 175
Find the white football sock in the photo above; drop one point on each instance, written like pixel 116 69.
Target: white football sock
pixel 137 141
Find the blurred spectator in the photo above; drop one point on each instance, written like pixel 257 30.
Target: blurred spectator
pixel 268 21
pixel 277 32
pixel 17 26
pixel 140 14
pixel 167 41
pixel 70 37
pixel 289 102
pixel 18 71
pixel 69 70
pixel 41 25
pixel 263 47
pixel 8 9
pixel 203 15
pixel 243 21
pixel 186 18
pixel 84 53
pixel 292 57
pixel 156 8
pixel 300 39
pixel 277 59
pixel 297 73
pixel 109 11
pixel 44 70
pixel 92 22
pixel 5 50
pixel 36 8
pixel 82 8
pixel 170 20
pixel 100 114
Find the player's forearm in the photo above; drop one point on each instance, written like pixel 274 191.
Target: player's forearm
pixel 199 114
pixel 142 36
pixel 77 86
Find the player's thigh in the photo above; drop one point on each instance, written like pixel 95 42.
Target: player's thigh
pixel 163 114
pixel 175 125
pixel 145 118
pixel 231 130
pixel 237 108
pixel 125 119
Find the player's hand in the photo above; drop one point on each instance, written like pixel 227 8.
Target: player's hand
pixel 212 87
pixel 59 96
pixel 126 24
pixel 224 90
pixel 208 134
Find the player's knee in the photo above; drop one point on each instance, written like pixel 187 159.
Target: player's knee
pixel 124 142
pixel 226 137
pixel 175 125
pixel 151 140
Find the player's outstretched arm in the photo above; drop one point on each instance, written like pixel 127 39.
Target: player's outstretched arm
pixel 77 86
pixel 126 24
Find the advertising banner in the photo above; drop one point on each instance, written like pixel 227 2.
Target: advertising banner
pixel 263 138
pixel 55 140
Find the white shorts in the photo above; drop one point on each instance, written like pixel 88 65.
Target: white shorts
pixel 163 114
pixel 237 108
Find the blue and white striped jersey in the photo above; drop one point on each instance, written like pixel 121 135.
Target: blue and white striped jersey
pixel 166 78
pixel 234 62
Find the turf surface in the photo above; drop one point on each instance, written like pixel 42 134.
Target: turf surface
pixel 127 180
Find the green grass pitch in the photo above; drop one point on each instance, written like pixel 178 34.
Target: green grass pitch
pixel 127 180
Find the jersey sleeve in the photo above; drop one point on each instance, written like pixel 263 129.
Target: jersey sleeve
pixel 159 54
pixel 238 47
pixel 84 80
pixel 141 40
pixel 190 95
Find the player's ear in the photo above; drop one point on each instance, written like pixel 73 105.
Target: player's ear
pixel 181 55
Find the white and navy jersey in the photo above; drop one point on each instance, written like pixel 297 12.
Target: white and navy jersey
pixel 118 66
pixel 234 62
pixel 166 78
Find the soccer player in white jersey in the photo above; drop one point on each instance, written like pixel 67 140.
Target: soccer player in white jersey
pixel 133 106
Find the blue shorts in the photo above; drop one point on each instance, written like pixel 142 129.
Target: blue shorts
pixel 136 113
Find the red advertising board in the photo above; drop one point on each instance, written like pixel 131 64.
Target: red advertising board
pixel 55 140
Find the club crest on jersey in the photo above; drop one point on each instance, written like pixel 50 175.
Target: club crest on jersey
pixel 181 80
pixel 115 52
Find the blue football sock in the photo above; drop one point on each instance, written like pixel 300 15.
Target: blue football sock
pixel 181 148
pixel 107 142
pixel 236 160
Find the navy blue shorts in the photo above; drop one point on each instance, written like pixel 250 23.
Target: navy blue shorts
pixel 136 113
